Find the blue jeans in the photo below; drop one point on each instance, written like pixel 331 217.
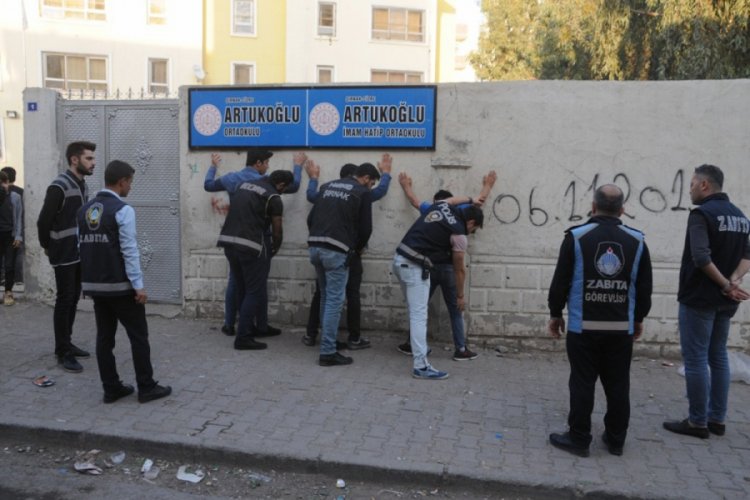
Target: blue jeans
pixel 417 293
pixel 442 275
pixel 703 341
pixel 330 267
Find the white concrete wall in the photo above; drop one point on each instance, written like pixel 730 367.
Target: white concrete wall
pixel 353 52
pixel 548 141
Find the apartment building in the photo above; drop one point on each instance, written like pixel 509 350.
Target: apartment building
pixel 93 48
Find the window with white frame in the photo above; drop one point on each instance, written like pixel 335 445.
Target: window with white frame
pixel 243 17
pixel 158 76
pixel 157 12
pixel 74 71
pixel 390 23
pixel 86 10
pixel 388 76
pixel 243 73
pixel 325 74
pixel 326 19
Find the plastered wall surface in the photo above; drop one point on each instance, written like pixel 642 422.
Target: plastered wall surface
pixel 550 143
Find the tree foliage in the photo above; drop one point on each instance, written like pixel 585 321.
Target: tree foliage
pixel 614 40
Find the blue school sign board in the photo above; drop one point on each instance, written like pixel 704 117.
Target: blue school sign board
pixel 388 117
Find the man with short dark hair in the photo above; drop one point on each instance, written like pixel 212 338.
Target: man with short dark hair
pixel 11 234
pixel 19 251
pixel 715 258
pixel 340 225
pixel 355 339
pixel 111 275
pixel 441 232
pixel 256 166
pixel 58 236
pixel 255 211
pixel 603 273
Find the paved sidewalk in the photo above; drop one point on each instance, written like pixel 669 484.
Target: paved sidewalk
pixel 488 421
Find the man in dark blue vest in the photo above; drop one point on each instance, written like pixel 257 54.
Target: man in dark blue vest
pixel 715 258
pixel 438 235
pixel 249 245
pixel 340 225
pixel 603 273
pixel 111 275
pixel 58 235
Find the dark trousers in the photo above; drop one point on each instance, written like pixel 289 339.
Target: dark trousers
pixel 353 302
pixel 108 311
pixel 9 256
pixel 605 356
pixel 251 279
pixel 68 282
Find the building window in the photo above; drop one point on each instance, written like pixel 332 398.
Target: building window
pixel 243 17
pixel 386 76
pixel 325 74
pixel 157 12
pixel 326 19
pixel 75 71
pixel 87 10
pixel 397 24
pixel 243 73
pixel 158 76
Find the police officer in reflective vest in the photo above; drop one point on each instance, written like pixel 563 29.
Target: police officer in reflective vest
pixel 340 225
pixel 111 275
pixel 604 274
pixel 58 236
pixel 248 245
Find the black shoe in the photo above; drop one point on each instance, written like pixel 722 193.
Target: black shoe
pixel 248 344
pixel 360 343
pixel 718 429
pixel 156 392
pixel 228 330
pixel 613 450
pixel 308 340
pixel 78 352
pixel 268 332
pixel 405 348
pixel 684 427
pixel 69 363
pixel 119 393
pixel 334 359
pixel 564 442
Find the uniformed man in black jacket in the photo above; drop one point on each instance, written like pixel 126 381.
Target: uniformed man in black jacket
pixel 715 258
pixel 603 273
pixel 248 245
pixel 58 236
pixel 340 225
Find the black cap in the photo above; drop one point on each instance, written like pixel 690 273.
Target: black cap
pixel 255 155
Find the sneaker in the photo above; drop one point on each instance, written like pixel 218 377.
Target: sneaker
pixel 566 443
pixel 308 340
pixel 228 330
pixel 686 428
pixel 119 393
pixel 334 359
pixel 613 450
pixel 718 429
pixel 464 355
pixel 78 352
pixel 405 348
pixel 270 331
pixel 360 343
pixel 429 373
pixel 156 392
pixel 248 344
pixel 8 300
pixel 69 363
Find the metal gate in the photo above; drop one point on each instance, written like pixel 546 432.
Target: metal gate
pixel 144 134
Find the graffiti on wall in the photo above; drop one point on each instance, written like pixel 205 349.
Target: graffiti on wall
pixel 510 208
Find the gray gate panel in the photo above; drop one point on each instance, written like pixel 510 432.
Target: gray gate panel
pixel 85 122
pixel 158 237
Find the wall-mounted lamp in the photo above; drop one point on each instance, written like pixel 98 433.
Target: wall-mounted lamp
pixel 11 114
